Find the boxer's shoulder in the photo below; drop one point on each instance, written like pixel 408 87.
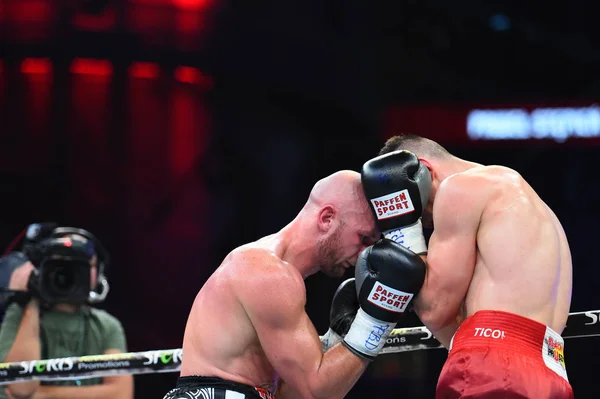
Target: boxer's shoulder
pixel 267 286
pixel 462 187
pixel 491 174
pixel 259 266
pixel 462 194
pixel 483 192
pixel 481 181
pixel 249 252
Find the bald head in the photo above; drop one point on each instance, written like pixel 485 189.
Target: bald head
pixel 342 194
pixel 342 190
pixel 339 218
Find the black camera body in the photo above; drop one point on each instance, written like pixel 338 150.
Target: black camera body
pixel 63 257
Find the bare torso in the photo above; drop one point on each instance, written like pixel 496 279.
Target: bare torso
pixel 523 261
pixel 220 339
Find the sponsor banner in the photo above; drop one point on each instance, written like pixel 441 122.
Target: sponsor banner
pixel 579 325
pixel 494 124
pixel 91 366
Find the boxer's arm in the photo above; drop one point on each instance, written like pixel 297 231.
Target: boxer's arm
pixel 444 335
pixel 274 298
pixel 25 343
pixel 452 255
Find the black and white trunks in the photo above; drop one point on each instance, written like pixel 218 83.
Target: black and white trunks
pixel 198 387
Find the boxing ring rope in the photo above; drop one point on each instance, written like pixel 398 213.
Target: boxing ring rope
pixel 579 325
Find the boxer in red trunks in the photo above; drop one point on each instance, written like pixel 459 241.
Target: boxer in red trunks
pixel 498 287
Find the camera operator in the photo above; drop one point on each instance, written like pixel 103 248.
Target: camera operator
pixel 51 313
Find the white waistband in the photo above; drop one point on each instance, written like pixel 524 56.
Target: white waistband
pixel 553 353
pixel 234 395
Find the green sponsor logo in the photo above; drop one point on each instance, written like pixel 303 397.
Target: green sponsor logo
pixel 166 358
pixel 40 367
pixel 161 357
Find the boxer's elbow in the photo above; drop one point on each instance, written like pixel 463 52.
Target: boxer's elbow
pixel 23 390
pixel 435 318
pixel 308 388
pixel 424 310
pixel 328 383
pixel 429 320
pixel 315 388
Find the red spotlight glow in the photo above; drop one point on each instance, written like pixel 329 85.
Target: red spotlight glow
pixel 89 66
pixel 187 74
pixel 36 65
pixel 191 4
pixel 144 70
pixel 28 10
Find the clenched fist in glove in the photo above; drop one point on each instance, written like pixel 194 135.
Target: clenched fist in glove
pixel 388 276
pixel 397 186
pixel 341 315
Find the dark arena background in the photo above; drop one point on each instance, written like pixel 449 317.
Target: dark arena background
pixel 175 130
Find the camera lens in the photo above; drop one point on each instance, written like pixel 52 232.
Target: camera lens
pixel 63 280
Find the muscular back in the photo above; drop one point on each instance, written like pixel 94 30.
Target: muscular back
pixel 220 340
pixel 523 262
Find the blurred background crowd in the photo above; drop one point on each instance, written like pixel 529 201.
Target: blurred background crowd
pixel 175 130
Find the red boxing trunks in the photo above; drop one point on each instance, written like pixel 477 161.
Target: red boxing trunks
pixel 498 354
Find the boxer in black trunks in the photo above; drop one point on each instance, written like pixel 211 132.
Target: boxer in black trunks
pixel 248 335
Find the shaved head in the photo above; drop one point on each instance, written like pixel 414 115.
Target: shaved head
pixel 344 220
pixel 341 189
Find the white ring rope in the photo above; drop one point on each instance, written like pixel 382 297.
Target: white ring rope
pixel 579 325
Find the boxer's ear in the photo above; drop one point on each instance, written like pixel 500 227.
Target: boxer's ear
pixel 428 166
pixel 326 217
pixel 425 162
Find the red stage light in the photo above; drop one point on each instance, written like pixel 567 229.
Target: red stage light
pixel 183 4
pixel 89 66
pixel 36 65
pixel 28 10
pixel 191 4
pixel 144 70
pixel 187 74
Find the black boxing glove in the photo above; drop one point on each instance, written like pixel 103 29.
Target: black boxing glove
pixel 397 186
pixel 341 314
pixel 388 276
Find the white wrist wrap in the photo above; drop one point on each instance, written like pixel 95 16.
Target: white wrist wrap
pixel 367 334
pixel 410 237
pixel 329 340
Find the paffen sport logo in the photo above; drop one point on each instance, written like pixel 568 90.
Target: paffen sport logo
pixel 388 298
pixel 393 205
